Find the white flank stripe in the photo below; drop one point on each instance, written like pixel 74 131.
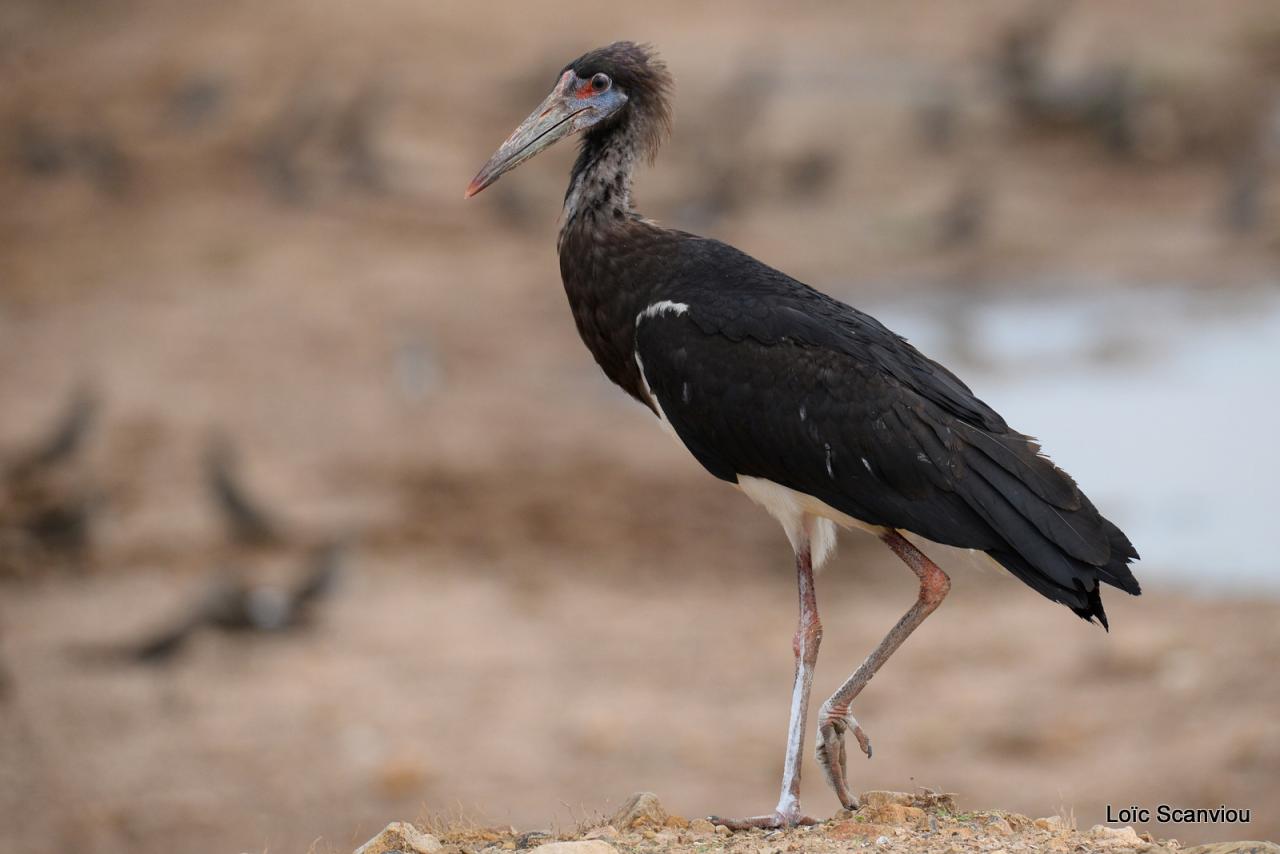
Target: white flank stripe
pixel 665 306
pixel 657 407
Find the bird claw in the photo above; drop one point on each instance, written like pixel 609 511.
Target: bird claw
pixel 833 756
pixel 773 821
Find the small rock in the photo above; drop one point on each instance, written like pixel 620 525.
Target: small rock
pixel 606 832
pixel 1117 837
pixel 882 840
pixel 999 827
pixel 677 821
pixel 1234 848
pixel 930 799
pixel 640 808
pixel 855 829
pixel 701 825
pixel 581 846
pixel 721 830
pixel 1052 823
pixel 401 836
pixel 880 798
pixel 893 813
pixel 530 838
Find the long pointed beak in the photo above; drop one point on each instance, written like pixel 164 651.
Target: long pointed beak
pixel 552 121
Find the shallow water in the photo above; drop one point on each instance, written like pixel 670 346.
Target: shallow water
pixel 1163 403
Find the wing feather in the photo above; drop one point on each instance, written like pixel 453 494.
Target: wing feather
pixel 828 402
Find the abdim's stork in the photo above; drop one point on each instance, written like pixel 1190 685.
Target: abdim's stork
pixel 814 409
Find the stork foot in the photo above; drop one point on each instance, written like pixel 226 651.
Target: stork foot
pixel 773 821
pixel 832 755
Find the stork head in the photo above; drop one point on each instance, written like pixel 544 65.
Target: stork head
pixel 622 85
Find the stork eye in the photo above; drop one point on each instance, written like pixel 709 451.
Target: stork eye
pixel 600 82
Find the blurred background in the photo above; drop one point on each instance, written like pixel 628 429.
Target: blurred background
pixel 315 513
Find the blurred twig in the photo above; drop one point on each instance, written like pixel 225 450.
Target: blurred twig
pixel 231 604
pixel 247 521
pixel 46 504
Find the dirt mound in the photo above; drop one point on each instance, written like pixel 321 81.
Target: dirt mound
pixel 897 822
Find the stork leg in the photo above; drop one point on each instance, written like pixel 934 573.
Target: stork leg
pixel 835 719
pixel 805 644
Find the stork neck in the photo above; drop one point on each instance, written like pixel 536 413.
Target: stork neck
pixel 600 183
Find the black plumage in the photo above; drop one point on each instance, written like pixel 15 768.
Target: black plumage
pixel 763 377
pixel 849 413
pixel 755 346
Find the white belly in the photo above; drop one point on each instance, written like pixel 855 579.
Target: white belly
pixel 807 521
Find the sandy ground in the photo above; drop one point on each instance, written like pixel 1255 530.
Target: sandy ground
pixel 549 607
pixel 892 822
pixel 532 687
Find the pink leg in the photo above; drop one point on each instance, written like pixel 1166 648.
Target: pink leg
pixel 805 644
pixel 835 719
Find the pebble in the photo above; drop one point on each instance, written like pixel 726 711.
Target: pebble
pixel 999 827
pixel 400 836
pixel 893 813
pixel 581 846
pixel 1018 821
pixel 882 798
pixel 856 829
pixel 529 837
pixel 640 808
pixel 701 825
pixel 1118 836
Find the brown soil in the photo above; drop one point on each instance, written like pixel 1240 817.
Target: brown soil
pixel 897 822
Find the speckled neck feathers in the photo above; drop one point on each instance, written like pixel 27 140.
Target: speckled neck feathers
pixel 599 192
pixel 607 249
pixel 600 185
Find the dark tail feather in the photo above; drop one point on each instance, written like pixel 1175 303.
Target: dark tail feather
pixel 1117 572
pixel 1087 604
pixel 1063 554
pixel 1080 533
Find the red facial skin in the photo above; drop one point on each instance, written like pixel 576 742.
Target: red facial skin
pixel 588 91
